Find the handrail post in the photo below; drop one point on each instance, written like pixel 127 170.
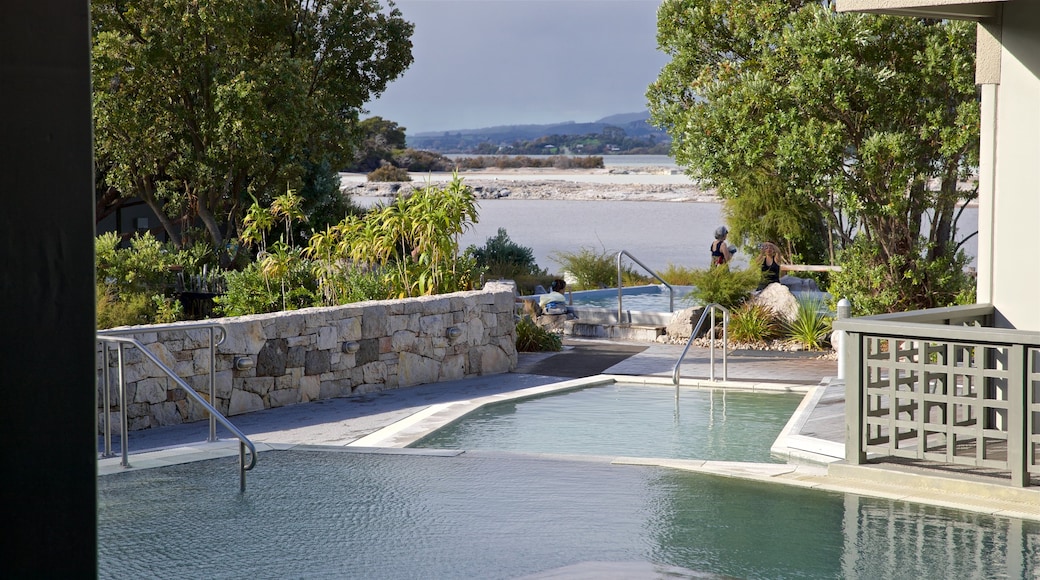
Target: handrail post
pixel 1019 452
pixel 212 384
pixel 711 345
pixel 725 345
pixel 106 399
pixel 124 427
pixel 241 466
pixel 619 293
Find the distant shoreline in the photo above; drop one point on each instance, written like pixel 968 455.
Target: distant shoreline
pixel 617 183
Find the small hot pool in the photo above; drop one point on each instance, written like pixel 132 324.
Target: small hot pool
pixel 633 420
pixel 649 298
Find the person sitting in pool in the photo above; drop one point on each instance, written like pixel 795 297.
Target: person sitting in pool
pixel 554 302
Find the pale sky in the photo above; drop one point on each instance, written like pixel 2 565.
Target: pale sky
pixel 481 63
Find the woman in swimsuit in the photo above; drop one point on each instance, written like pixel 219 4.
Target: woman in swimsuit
pixel 720 253
pixel 770 263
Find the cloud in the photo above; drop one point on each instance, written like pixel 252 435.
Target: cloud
pixel 480 63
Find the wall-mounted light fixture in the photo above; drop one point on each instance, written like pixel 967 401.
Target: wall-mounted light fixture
pixel 454 332
pixel 351 346
pixel 243 363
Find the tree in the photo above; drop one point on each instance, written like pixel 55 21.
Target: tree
pixel 379 139
pixel 862 127
pixel 202 104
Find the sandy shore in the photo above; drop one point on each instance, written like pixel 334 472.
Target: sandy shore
pixel 637 183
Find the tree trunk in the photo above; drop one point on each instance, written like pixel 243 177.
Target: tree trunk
pixel 146 193
pixel 213 228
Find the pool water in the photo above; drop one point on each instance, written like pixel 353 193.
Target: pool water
pixel 629 420
pixel 650 298
pixel 342 514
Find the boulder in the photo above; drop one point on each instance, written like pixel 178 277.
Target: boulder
pixel 796 284
pixel 779 299
pixel 680 326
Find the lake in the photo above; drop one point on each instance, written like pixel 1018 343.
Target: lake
pixel 657 233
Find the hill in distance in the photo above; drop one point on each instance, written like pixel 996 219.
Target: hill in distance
pixel 633 124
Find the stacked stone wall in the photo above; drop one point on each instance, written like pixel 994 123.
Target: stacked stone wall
pixel 285 358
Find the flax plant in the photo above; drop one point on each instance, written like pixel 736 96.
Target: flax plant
pixel 810 326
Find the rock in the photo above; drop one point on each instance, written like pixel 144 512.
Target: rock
pixel 778 299
pixel 680 327
pixel 796 284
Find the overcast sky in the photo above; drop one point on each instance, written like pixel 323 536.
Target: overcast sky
pixel 481 63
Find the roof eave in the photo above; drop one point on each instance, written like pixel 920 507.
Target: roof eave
pixel 938 9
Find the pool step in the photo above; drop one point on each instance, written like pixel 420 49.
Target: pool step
pixel 609 316
pixel 640 332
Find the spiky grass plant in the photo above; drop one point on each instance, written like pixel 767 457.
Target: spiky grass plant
pixel 811 325
pixel 753 323
pixel 533 338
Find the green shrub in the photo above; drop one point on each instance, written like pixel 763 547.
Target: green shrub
pixel 590 269
pixel 811 325
pixel 724 286
pixel 517 161
pixel 502 258
pixel 389 173
pixel 752 323
pixel 904 283
pixel 533 338
pixel 167 309
pixel 361 285
pixel 143 267
pixel 252 292
pixel 677 275
pixel 130 309
pixel 422 161
pixel 630 277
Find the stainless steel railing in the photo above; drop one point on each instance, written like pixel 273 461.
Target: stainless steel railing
pixel 119 339
pixel 671 291
pixel 708 314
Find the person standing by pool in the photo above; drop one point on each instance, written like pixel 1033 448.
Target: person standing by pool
pixel 769 261
pixel 721 254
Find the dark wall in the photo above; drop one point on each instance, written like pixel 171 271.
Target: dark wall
pixel 47 290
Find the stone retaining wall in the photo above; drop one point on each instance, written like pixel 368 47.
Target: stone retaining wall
pixel 273 360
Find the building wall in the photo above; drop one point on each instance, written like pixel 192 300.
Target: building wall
pixel 1015 229
pixel 315 353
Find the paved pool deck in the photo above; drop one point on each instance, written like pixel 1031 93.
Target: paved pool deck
pixel 388 421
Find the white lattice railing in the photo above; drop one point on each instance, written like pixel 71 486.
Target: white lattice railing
pixel 942 385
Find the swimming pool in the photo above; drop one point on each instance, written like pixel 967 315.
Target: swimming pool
pixel 321 513
pixel 628 419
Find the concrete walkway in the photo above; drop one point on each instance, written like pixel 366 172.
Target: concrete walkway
pixel 389 421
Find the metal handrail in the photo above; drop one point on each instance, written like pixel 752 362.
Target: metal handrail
pixel 671 291
pixel 709 309
pixel 214 342
pixel 215 415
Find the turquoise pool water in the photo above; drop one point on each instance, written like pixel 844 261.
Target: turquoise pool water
pixel 485 515
pixel 650 298
pixel 629 420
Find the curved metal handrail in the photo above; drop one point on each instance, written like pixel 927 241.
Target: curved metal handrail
pixel 244 441
pixel 671 291
pixel 709 309
pixel 213 328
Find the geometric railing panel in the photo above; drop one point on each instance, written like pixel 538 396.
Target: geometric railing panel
pixel 940 401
